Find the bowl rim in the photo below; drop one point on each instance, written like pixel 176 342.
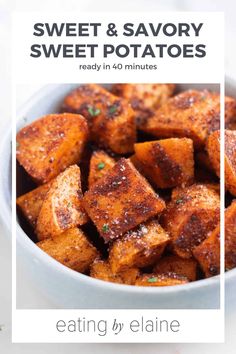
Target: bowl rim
pixel 35 252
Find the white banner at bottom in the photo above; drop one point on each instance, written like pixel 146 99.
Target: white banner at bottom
pixel 118 326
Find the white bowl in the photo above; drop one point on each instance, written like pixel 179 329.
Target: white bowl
pixel 69 289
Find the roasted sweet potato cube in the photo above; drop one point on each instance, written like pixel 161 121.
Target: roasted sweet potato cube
pixel 230 236
pixel 100 163
pixel 177 265
pixel 101 269
pixel 213 148
pixel 230 113
pixel 72 249
pixel 110 118
pixel 208 253
pixel 193 114
pixel 144 95
pixel 121 200
pixel 50 144
pixel 31 202
pixel 129 276
pixel 178 191
pixel 140 247
pixel 167 163
pixel 214 186
pixel 230 161
pixel 62 208
pixel 167 279
pixel 190 216
pixel 144 98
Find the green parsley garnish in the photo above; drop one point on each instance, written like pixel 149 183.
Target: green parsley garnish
pixel 101 165
pixel 17 144
pixel 179 201
pixel 105 228
pixel 112 109
pixel 93 111
pixel 152 280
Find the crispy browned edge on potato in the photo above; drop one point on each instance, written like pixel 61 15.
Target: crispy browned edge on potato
pixel 100 163
pixel 101 269
pixel 230 161
pixel 31 202
pixel 121 200
pixel 50 144
pixel 208 253
pixel 62 208
pixel 110 118
pixel 167 163
pixel 140 247
pixel 230 113
pixel 144 98
pixel 72 249
pixel 192 213
pixel 168 279
pixel 230 236
pixel 213 148
pixel 193 114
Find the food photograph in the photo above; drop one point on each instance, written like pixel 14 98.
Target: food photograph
pixel 118 177
pixel 119 184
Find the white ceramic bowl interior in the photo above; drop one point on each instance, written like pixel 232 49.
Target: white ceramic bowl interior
pixel 69 289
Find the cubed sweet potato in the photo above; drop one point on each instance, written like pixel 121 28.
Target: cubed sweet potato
pixel 230 236
pixel 30 203
pixel 193 212
pixel 62 208
pixel 179 191
pixel 193 114
pixel 110 118
pixel 230 113
pixel 214 186
pixel 100 163
pixel 213 148
pixel 140 247
pixel 144 98
pixel 72 249
pixel 121 200
pixel 167 163
pixel 230 161
pixel 177 265
pixel 167 279
pixel 208 253
pixel 101 269
pixel 50 144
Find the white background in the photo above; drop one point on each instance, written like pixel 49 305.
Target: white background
pixel 29 295
pixel 211 35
